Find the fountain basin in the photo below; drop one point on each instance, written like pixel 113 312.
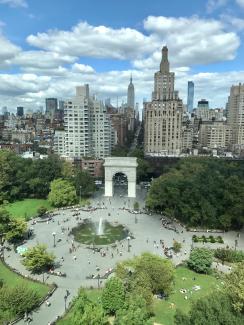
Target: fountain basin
pixel 87 233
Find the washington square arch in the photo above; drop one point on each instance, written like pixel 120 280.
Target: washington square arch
pixel 120 165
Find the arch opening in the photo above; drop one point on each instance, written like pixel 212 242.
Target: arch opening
pixel 120 184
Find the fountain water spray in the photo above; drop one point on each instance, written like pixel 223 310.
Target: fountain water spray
pixel 100 227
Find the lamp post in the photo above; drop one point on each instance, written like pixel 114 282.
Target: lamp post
pixel 80 192
pixel 128 241
pixel 54 239
pixel 236 244
pixel 98 281
pixel 65 302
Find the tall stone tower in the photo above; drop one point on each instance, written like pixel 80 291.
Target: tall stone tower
pixel 131 95
pixel 163 115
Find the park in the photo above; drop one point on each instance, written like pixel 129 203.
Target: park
pixel 103 241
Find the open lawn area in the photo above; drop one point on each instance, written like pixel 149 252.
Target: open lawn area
pixel 12 279
pixel 26 208
pixel 184 279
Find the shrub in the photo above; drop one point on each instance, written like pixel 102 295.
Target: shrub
pixel 176 246
pixel 229 255
pixel 212 239
pixel 200 260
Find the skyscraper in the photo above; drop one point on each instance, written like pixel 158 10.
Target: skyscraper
pixel 131 95
pixel 20 111
pixel 235 117
pixel 87 127
pixel 190 96
pixel 51 107
pixel 163 115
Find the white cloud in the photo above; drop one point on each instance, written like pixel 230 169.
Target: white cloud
pixel 15 3
pixel 21 84
pixel 41 59
pixel 95 41
pixel 7 49
pixel 212 5
pixel 190 40
pixel 82 68
pixel 240 3
pixel 55 69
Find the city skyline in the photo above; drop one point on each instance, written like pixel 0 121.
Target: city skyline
pixel 49 55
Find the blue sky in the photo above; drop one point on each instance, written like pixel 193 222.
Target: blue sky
pixel 49 47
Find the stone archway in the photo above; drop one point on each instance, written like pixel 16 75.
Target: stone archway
pixel 125 165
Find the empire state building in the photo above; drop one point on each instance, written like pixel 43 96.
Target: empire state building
pixel 131 95
pixel 163 115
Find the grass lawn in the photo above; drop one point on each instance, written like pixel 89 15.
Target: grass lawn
pixel 164 311
pixel 26 208
pixel 12 279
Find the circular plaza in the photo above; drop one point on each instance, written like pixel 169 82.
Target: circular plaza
pixel 86 264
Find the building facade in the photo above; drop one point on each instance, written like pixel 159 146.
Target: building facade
pixel 87 128
pixel 190 96
pixel 163 115
pixel 51 107
pixel 235 116
pixel 131 95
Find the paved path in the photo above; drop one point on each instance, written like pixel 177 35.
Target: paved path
pixel 147 230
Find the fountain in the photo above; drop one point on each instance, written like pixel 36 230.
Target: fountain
pixel 99 233
pixel 99 230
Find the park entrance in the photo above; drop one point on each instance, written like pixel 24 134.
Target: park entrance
pixel 120 170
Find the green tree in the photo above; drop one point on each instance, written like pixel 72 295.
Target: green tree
pixel 4 221
pixel 135 312
pixel 149 271
pixel 62 193
pixel 234 284
pixel 15 301
pixel 84 183
pixel 177 246
pixel 113 295
pixel 85 312
pixel 41 211
pixel 213 309
pixel 200 260
pixel 17 231
pixel 37 259
pixel 11 229
pixel 202 192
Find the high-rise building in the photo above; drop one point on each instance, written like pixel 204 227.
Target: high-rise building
pixel 190 96
pixel 203 103
pixel 51 107
pixel 163 115
pixel 131 95
pixel 20 111
pixel 87 127
pixel 235 117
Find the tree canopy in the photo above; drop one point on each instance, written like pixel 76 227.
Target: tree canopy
pixel 203 192
pixel 214 309
pixel 234 284
pixel 11 229
pixel 200 260
pixel 62 193
pixel 37 259
pixel 147 271
pixel 113 295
